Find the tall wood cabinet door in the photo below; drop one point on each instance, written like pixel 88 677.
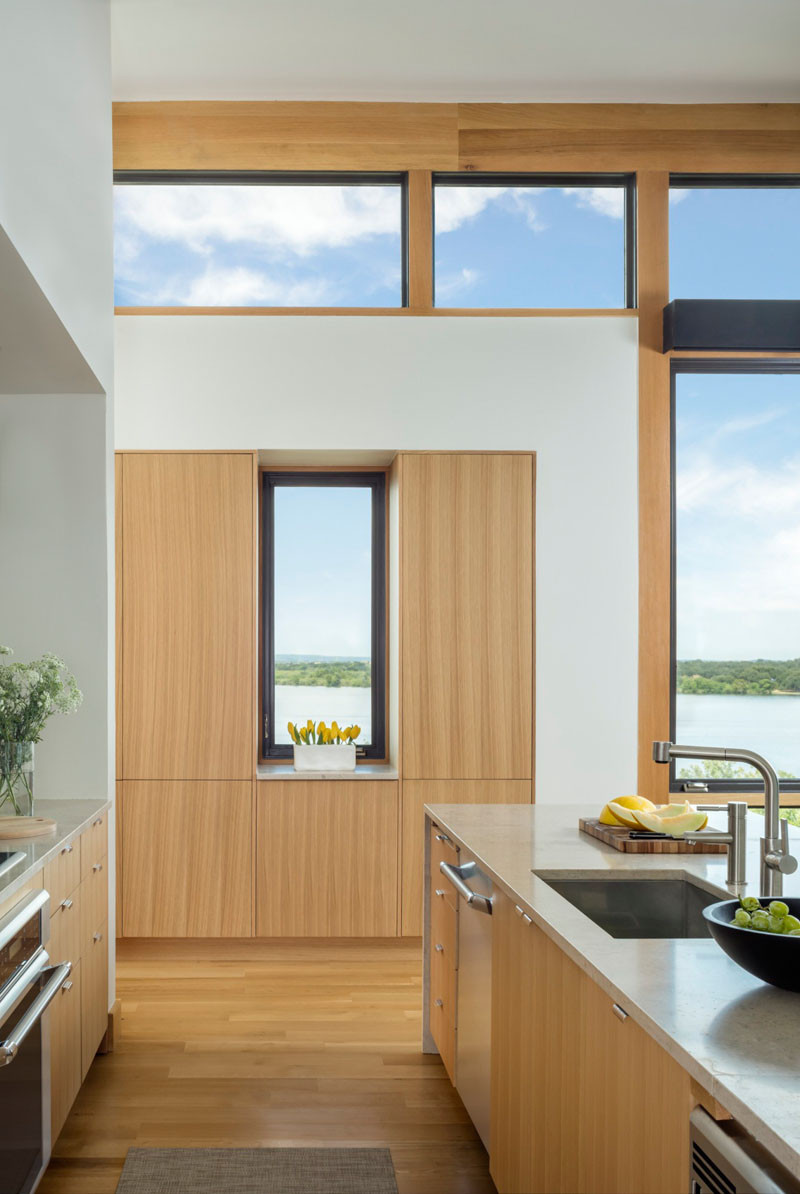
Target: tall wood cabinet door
pixel 538 998
pixel 635 1103
pixel 416 793
pixel 66 1071
pixel 326 858
pixel 188 859
pixel 188 638
pixel 466 599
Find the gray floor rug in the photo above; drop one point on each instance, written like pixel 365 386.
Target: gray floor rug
pixel 258 1171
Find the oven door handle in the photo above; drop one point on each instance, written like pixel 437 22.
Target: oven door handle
pixel 10 1046
pixel 455 874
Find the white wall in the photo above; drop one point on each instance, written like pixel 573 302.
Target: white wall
pixel 54 595
pixel 55 161
pixel 565 388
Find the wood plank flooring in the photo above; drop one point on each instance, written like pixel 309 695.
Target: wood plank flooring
pixel 315 1045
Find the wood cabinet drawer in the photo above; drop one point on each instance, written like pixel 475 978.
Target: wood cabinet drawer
pixel 93 893
pixel 65 928
pixel 94 844
pixel 65 1050
pixel 94 996
pixel 442 1009
pixel 442 850
pixel 444 930
pixel 62 874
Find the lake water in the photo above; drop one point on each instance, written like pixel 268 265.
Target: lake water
pixel 769 725
pixel 347 706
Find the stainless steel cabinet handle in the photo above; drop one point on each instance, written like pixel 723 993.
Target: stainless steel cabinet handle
pixel 97 866
pixel 67 986
pixel 439 891
pixel 618 1012
pixel 442 837
pixel 480 903
pixel 99 821
pixel 67 850
pixel 438 1003
pixel 439 948
pixel 97 937
pixel 66 905
pixel 10 1046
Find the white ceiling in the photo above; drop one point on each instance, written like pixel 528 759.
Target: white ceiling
pixel 660 51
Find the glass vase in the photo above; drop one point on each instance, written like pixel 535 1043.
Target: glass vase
pixel 16 778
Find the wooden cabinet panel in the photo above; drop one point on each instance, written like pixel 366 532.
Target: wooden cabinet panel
pixel 188 627
pixel 93 894
pixel 63 873
pixel 466 593
pixel 188 859
pixel 624 1071
pixel 538 998
pixel 415 794
pixel 65 928
pixel 65 1050
pixel 94 996
pixel 326 858
pixel 94 844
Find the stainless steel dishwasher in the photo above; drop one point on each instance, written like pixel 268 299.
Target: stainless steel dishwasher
pixel 725 1160
pixel 474 1003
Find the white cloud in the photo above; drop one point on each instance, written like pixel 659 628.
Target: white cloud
pixel 241 287
pixel 299 219
pixel 677 194
pixel 606 201
pixel 454 205
pixel 456 283
pixel 740 489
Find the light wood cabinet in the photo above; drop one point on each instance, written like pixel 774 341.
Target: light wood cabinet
pixel 571 1076
pixel 444 952
pixel 188 649
pixel 630 1080
pixel 187 859
pixel 78 934
pixel 94 995
pixel 538 999
pixel 66 1063
pixel 418 793
pixel 326 858
pixel 466 608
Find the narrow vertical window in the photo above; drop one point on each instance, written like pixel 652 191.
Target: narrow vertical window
pixel 324 606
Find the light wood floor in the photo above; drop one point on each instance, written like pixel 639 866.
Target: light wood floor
pixel 300 1045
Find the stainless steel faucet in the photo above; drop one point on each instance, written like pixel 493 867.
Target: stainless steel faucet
pixel 776 861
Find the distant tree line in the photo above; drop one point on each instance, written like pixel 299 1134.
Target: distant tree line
pixel 328 673
pixel 749 677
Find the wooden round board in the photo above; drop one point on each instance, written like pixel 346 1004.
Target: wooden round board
pixel 25 826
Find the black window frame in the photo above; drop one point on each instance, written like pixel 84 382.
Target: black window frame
pixel 289 178
pixel 704 365
pixel 375 480
pixel 626 181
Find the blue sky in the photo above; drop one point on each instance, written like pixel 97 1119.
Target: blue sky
pixel 323 576
pixel 738 516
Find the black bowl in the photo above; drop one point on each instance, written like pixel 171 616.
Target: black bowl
pixel 772 957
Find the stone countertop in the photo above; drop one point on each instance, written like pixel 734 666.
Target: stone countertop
pixel 71 818
pixel 739 1037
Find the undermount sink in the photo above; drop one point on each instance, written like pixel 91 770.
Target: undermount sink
pixel 638 907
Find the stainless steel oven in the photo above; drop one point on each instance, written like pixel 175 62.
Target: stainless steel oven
pixel 28 984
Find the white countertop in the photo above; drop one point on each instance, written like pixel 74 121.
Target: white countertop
pixel 71 818
pixel 275 771
pixel 739 1037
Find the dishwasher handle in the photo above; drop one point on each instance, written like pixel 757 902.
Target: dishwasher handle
pixel 480 903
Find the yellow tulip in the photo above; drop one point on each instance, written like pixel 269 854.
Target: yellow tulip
pixel 304 736
pixel 335 729
pixel 356 731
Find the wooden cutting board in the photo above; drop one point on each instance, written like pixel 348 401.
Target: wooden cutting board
pixel 25 826
pixel 620 838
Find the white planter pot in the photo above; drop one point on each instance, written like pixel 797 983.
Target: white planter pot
pixel 325 758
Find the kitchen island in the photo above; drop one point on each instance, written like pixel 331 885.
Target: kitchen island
pixel 736 1037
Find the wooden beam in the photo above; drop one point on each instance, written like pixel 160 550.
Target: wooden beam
pixel 654 480
pixel 420 239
